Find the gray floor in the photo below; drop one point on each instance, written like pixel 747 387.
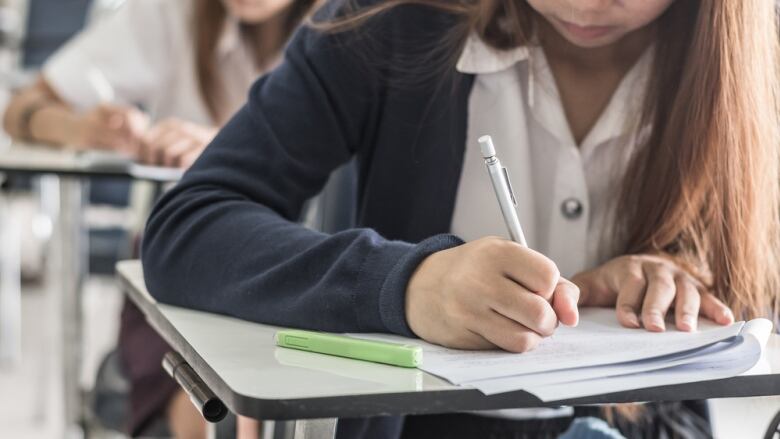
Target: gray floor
pixel 28 407
pixel 28 404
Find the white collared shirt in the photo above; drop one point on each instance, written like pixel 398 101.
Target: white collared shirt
pixel 564 192
pixel 145 53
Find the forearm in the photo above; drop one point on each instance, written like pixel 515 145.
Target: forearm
pixel 214 252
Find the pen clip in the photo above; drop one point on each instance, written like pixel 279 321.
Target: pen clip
pixel 509 186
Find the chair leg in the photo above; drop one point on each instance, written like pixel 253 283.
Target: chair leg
pixel 774 427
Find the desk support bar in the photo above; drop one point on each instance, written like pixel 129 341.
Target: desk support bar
pixel 211 407
pixel 315 428
pixel 10 287
pixel 63 199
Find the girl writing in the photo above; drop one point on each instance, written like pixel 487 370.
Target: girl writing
pixel 641 136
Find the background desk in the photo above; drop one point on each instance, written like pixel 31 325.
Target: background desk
pixel 254 378
pixel 64 188
pixel 37 160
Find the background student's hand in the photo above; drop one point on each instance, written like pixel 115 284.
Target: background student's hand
pixel 109 126
pixel 646 287
pixel 487 293
pixel 175 142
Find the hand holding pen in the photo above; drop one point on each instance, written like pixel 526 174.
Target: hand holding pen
pixel 499 178
pixel 489 293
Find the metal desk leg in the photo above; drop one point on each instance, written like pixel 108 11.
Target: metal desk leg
pixel 10 289
pixel 315 428
pixel 69 251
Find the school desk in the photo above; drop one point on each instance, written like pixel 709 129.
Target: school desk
pixel 64 181
pixel 242 366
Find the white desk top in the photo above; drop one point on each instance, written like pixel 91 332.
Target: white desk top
pixel 245 355
pixel 37 159
pixel 242 365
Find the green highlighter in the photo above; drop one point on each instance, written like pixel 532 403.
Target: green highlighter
pixel 404 355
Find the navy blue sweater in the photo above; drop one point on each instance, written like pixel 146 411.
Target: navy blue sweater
pixel 225 239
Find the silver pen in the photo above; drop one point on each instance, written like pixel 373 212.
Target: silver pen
pixel 503 188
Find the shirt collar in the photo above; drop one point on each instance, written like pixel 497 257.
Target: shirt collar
pixel 479 58
pixel 230 40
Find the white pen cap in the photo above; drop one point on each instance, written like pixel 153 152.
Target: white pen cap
pixel 486 146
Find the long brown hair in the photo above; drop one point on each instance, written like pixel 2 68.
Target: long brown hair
pixel 703 187
pixel 209 21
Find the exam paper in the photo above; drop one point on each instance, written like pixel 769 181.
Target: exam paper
pixel 524 382
pixel 742 356
pixel 598 340
pixel 600 356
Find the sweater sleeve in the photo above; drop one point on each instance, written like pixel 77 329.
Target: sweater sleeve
pixel 224 239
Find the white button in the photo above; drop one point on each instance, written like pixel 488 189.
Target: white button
pixel 572 208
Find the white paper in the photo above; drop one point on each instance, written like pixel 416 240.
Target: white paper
pixel 727 363
pixel 598 339
pixel 520 382
pixel 600 356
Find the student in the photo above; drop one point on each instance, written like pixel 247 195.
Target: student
pixel 641 137
pixel 187 64
pixel 100 90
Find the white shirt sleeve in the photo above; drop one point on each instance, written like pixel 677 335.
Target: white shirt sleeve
pixel 124 58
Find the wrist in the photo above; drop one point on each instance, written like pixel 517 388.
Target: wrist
pixel 27 117
pixel 393 293
pixel 420 286
pixel 56 125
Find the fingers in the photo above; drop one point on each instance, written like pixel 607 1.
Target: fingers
pixel 659 296
pixel 715 310
pixel 116 127
pixel 520 305
pixel 631 292
pixel 565 298
pixel 468 339
pixel 172 154
pixel 175 143
pixel 188 159
pixel 507 334
pixel 531 269
pixel 157 141
pixel 687 302
pixel 127 120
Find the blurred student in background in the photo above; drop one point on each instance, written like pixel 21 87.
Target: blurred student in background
pixel 157 79
pixel 154 81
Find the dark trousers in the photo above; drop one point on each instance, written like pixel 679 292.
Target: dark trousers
pixel 141 351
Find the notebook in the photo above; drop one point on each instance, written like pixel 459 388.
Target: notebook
pixel 600 356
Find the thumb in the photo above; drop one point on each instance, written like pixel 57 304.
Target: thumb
pixel 565 297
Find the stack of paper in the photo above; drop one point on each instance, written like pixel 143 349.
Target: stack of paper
pixel 600 356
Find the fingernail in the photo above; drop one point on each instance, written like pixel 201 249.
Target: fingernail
pixel 689 322
pixel 656 323
pixel 727 316
pixel 633 320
